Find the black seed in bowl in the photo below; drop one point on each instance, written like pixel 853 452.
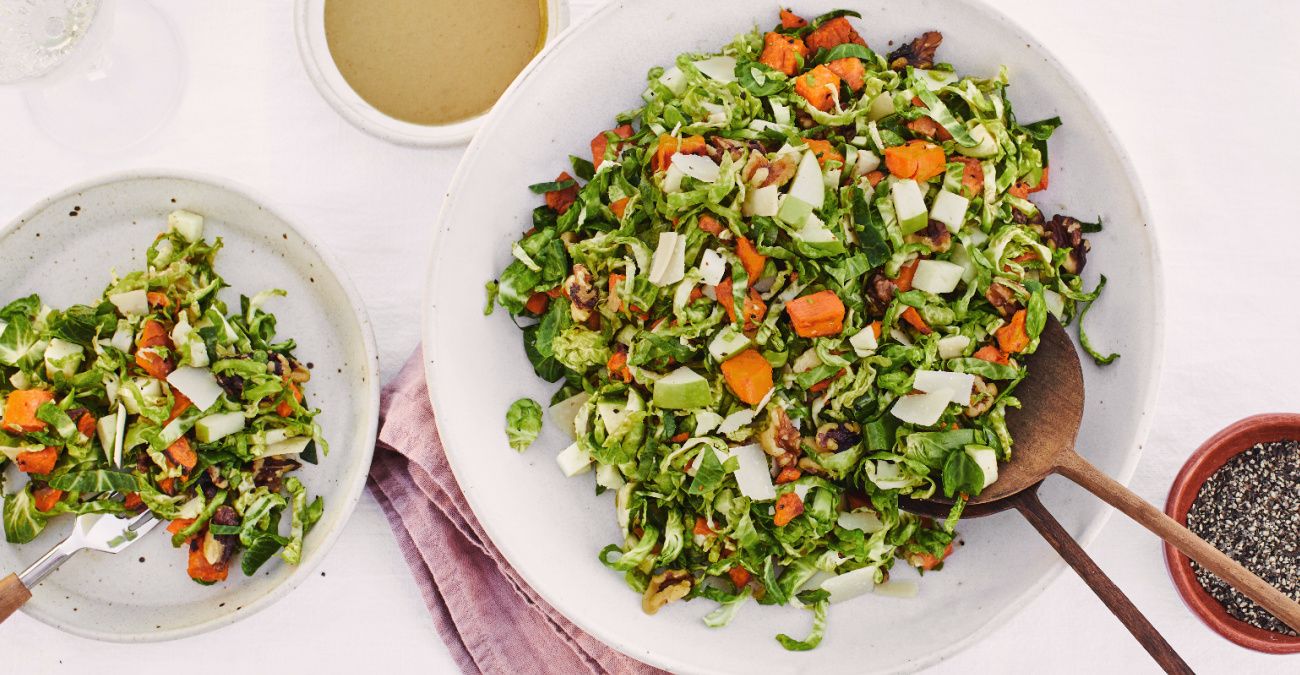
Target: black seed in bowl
pixel 1250 510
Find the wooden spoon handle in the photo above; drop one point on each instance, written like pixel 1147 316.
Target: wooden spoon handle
pixel 1078 469
pixel 1028 504
pixel 13 594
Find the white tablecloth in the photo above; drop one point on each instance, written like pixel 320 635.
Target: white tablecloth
pixel 1203 94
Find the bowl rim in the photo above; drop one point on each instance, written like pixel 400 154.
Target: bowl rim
pixel 329 83
pixel 1225 444
pixel 352 494
pixel 1124 475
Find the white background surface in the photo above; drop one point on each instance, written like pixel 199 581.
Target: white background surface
pixel 1201 93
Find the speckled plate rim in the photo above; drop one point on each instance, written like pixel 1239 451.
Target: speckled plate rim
pixel 1216 451
pixel 1156 323
pixel 361 464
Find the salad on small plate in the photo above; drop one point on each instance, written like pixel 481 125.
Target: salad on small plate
pixel 157 396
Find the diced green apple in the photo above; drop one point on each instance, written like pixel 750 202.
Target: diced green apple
pixel 728 343
pixel 62 357
pixel 937 276
pixel 573 460
pixel 187 224
pixel 985 144
pixel 987 460
pixel 131 303
pixel 950 209
pixel 682 389
pixel 809 184
pixel 216 427
pixel 764 201
pixel 909 206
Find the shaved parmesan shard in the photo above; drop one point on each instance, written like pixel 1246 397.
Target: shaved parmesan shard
pixel 850 584
pixel 922 409
pixel 960 384
pixel 668 266
pixel 752 475
pixel 699 167
pixel 720 68
pixel 198 385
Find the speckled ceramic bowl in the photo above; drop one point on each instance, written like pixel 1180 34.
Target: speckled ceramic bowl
pixel 1209 458
pixel 64 249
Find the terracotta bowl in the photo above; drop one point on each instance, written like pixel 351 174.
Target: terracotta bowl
pixel 1207 459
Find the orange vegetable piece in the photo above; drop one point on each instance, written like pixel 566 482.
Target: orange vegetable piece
pixel 202 570
pixel 180 403
pixel 1013 337
pixel 181 453
pixel 750 259
pixel 670 145
pixel 617 365
pixel 928 561
pixel 46 498
pixel 875 177
pixel 905 276
pixel 283 409
pixel 157 299
pixel 21 407
pixel 561 200
pixel 1042 184
pixel 179 524
pixel 972 176
pixel 789 474
pixel 619 207
pixel 826 383
pixel 783 52
pixel 132 501
pixel 749 375
pixel 154 364
pixel 913 317
pixel 991 354
pixel 754 310
pixel 153 334
pixel 875 329
pixel 739 575
pixel 710 224
pixel 86 425
pixel 1020 190
pixel 927 127
pixel 168 486
pixel 850 70
pixel 819 86
pixel 702 527
pixel 788 506
pixel 599 144
pixel 817 315
pixel 917 159
pixel 791 20
pixel 680 438
pixel 38 461
pixel 824 151
pixel 837 31
pixel 537 303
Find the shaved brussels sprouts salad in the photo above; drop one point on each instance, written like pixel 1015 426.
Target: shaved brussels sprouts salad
pixel 794 286
pixel 156 397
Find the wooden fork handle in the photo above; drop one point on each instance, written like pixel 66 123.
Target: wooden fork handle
pixel 13 594
pixel 1028 504
pixel 1078 469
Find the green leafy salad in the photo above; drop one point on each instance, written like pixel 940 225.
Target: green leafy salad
pixel 156 397
pixel 794 286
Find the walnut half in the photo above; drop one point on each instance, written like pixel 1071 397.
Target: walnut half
pixel 664 588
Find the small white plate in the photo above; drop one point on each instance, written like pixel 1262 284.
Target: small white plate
pixel 64 249
pixel 551 528
pixel 309 27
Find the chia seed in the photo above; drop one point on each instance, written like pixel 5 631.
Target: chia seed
pixel 1250 510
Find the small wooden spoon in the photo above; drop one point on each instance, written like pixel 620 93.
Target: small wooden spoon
pixel 1044 431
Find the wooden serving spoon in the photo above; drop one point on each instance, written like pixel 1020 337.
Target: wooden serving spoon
pixel 1044 431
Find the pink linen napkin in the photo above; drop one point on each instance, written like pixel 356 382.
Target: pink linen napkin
pixel 491 621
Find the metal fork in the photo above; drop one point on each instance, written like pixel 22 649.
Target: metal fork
pixel 95 531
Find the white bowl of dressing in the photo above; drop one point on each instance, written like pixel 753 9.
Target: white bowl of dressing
pixel 385 101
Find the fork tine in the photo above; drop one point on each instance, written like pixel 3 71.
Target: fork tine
pixel 140 520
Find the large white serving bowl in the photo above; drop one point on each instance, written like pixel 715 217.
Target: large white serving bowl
pixel 64 249
pixel 551 528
